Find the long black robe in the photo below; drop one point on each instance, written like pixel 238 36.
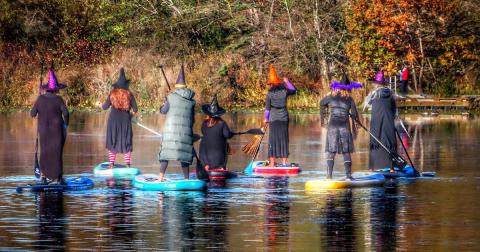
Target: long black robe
pixel 213 148
pixel 382 126
pixel 119 128
pixel 52 116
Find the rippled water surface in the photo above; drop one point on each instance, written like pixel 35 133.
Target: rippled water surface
pixel 250 213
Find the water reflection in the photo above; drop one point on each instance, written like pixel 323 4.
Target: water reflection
pixel 277 211
pixel 383 219
pixel 339 228
pixel 119 219
pixel 51 221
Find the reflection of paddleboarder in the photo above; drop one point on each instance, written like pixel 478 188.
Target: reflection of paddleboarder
pixel 383 219
pixel 277 211
pixel 51 231
pixel 340 231
pixel 339 134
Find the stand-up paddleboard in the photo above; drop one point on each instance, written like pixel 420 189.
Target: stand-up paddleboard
pixel 71 184
pixel 118 170
pixel 406 172
pixel 364 181
pixel 148 182
pixel 262 168
pixel 220 174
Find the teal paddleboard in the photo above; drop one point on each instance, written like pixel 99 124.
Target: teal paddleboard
pixel 148 182
pixel 118 170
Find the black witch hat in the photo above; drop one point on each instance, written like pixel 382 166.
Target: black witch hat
pixel 213 109
pixel 122 81
pixel 181 79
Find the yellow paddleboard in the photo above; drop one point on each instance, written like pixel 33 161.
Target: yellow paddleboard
pixel 365 181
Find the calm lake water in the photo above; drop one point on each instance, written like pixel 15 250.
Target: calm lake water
pixel 249 214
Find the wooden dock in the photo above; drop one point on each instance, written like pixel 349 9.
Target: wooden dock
pixel 433 103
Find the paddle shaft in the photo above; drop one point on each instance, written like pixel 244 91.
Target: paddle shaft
pixel 147 128
pixel 406 152
pixel 165 77
pixel 258 147
pixel 36 167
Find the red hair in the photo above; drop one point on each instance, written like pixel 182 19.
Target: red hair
pixel 120 99
pixel 212 121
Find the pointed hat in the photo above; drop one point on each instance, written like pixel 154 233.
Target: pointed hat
pixel 379 78
pixel 181 78
pixel 273 77
pixel 213 109
pixel 52 83
pixel 122 81
pixel 345 83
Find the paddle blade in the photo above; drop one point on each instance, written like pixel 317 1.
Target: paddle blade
pixel 36 169
pixel 249 168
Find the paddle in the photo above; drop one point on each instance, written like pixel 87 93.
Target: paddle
pixel 165 77
pixel 36 167
pixel 406 153
pixel 397 160
pixel 147 128
pixel 249 168
pixel 255 131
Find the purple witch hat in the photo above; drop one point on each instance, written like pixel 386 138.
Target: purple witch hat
pixel 345 84
pixel 181 78
pixel 379 78
pixel 52 84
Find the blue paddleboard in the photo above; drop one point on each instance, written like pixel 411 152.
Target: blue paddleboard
pixel 71 184
pixel 147 182
pixel 117 171
pixel 406 172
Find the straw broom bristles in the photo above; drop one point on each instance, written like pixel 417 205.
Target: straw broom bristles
pixel 251 147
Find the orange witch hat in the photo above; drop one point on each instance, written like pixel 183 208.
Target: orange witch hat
pixel 273 77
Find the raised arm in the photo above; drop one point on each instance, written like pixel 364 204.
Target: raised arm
pixel 290 87
pixel 107 103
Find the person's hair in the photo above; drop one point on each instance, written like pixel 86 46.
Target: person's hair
pixel 120 99
pixel 212 121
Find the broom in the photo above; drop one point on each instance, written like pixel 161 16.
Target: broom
pixel 251 148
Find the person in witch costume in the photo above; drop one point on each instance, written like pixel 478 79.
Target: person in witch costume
pixel 119 127
pixel 177 135
pixel 382 123
pixel 339 133
pixel 52 128
pixel 276 114
pixel 214 146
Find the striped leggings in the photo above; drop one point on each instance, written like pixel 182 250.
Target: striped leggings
pixel 112 155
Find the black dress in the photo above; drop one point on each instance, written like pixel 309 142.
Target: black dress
pixel 213 148
pixel 119 128
pixel 278 121
pixel 382 126
pixel 339 133
pixel 52 119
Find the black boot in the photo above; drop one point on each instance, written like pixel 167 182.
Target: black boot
pixel 330 169
pixel 348 170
